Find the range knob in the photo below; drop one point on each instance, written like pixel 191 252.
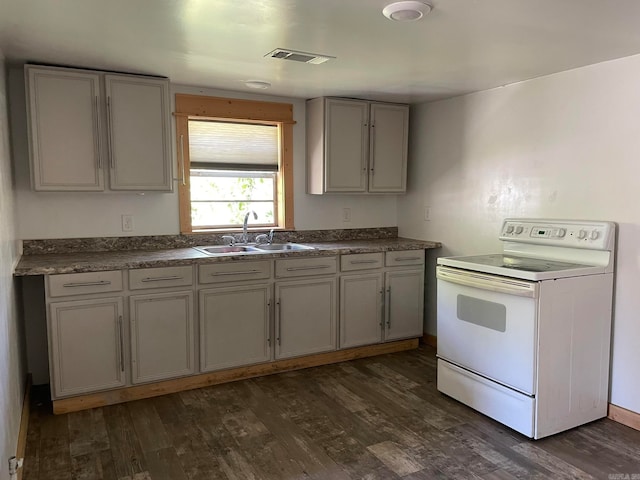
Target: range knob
pixel 509 229
pixel 519 230
pixel 594 235
pixel 582 234
pixel 561 232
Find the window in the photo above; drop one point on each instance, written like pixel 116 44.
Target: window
pixel 234 156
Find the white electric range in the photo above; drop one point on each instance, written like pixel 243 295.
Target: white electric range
pixel 524 335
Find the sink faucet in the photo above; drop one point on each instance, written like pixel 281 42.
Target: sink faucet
pixel 245 235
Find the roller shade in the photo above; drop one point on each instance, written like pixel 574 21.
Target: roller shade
pixel 233 146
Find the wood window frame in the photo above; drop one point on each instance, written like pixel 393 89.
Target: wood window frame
pixel 200 107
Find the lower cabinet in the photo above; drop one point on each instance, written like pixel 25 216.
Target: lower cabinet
pixel 361 309
pixel 234 326
pixel 404 304
pixel 305 317
pixel 87 343
pixel 162 336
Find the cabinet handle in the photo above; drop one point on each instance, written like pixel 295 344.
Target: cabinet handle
pixel 160 279
pixel 183 179
pixel 371 153
pixel 279 308
pixel 269 322
pixel 97 128
pixel 361 262
pixel 406 259
pixel 310 267
pixel 110 132
pixel 239 272
pixel 389 307
pixel 86 284
pixel 382 309
pixel 121 343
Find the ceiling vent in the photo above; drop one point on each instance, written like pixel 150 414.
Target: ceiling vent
pixel 295 56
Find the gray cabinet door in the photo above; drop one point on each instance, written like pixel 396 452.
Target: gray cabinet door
pixel 64 120
pixel 86 341
pixel 234 326
pixel 162 336
pixel 305 317
pixel 139 133
pixel 346 145
pixel 404 309
pixel 360 309
pixel 388 143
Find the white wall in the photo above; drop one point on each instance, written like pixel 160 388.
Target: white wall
pixel 563 146
pixel 68 215
pixel 11 338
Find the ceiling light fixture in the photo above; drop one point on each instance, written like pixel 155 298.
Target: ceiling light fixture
pixel 257 84
pixel 408 11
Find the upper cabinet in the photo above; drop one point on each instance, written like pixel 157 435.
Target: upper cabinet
pixel 83 123
pixel 356 146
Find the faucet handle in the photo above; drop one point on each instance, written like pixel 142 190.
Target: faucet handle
pixel 230 239
pixel 262 238
pixel 270 236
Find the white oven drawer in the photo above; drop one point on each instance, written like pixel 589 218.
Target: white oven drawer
pixel 489 332
pixel 511 408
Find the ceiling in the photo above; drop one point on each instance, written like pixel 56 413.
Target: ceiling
pixel 462 46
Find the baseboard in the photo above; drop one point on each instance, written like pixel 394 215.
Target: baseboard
pixel 24 424
pixel 138 392
pixel 624 416
pixel 430 340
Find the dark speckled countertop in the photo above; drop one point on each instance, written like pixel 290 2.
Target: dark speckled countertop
pixel 55 263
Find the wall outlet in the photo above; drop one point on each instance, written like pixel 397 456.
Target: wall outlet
pixel 346 214
pixel 427 214
pixel 127 223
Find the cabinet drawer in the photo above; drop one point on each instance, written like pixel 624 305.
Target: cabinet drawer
pixel 360 261
pixel 83 283
pixel 302 267
pixel 141 278
pixel 404 257
pixel 234 271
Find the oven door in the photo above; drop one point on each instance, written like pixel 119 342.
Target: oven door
pixel 487 324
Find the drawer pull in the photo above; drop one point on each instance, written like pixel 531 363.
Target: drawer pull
pixel 87 284
pixel 240 272
pixel 362 262
pixel 310 267
pixel 406 259
pixel 160 279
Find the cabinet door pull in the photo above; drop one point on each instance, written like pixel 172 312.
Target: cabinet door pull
pixel 160 279
pixel 239 272
pixel 406 259
pixel 86 284
pixel 120 333
pixel 269 322
pixel 382 309
pixel 279 308
pixel 97 128
pixel 389 307
pixel 309 267
pixel 110 133
pixel 371 149
pixel 183 179
pixel 362 262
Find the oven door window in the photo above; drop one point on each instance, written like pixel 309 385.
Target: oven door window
pixel 481 312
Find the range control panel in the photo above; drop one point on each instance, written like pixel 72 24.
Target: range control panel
pixel 576 234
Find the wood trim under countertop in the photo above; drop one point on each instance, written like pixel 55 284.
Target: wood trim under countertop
pixel 624 416
pixel 138 392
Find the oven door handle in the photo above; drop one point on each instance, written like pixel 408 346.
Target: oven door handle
pixel 510 286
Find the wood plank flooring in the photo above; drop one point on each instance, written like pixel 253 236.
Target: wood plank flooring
pixel 375 418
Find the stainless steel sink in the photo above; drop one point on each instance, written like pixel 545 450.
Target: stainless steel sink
pixel 251 249
pixel 221 249
pixel 274 247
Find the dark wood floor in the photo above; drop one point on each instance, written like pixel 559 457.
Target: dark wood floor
pixel 376 418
